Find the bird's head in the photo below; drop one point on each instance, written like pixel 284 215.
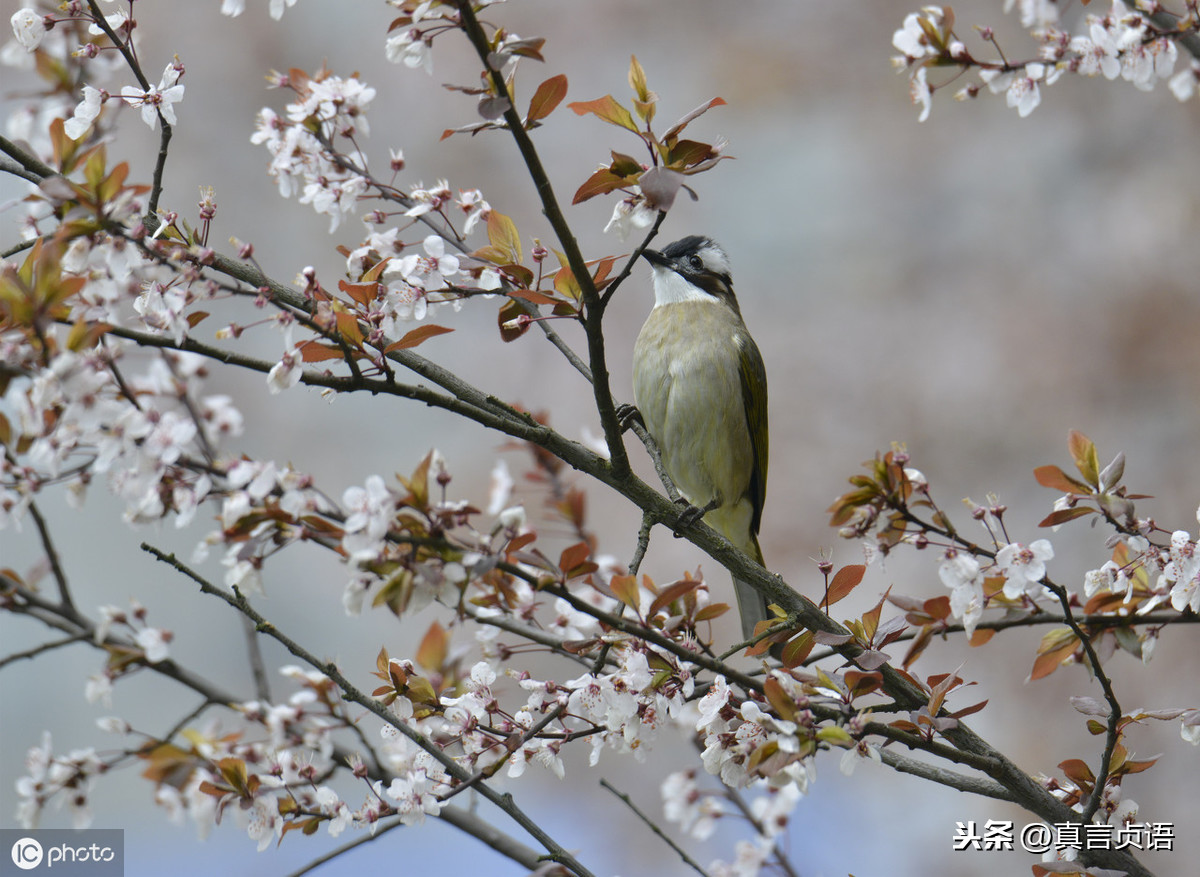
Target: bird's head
pixel 694 268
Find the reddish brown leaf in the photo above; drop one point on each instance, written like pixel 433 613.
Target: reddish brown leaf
pixel 435 645
pixel 608 109
pixel 625 589
pixel 797 650
pixel 671 593
pixel 601 182
pixel 844 581
pixel 417 336
pixel 315 351
pixel 1056 479
pixel 1077 771
pixel 1063 515
pixel 980 636
pixel 711 611
pixel 573 555
pixel 547 97
pixel 969 710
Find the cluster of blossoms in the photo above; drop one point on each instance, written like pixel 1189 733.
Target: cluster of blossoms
pixel 303 160
pixel 32 35
pixel 93 430
pixel 411 42
pixel 1125 43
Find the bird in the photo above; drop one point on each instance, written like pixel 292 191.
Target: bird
pixel 700 386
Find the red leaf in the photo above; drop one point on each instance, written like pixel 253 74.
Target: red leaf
pixel 686 120
pixel 417 336
pixel 1063 515
pixel 573 555
pixel 797 650
pixel 315 351
pixel 671 593
pixel 844 581
pixel 548 96
pixel 601 182
pixel 1057 479
pixel 435 645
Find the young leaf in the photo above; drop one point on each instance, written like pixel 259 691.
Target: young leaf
pixel 626 590
pixel 417 336
pixel 503 235
pixel 547 97
pixel 1057 479
pixel 686 120
pixel 1083 452
pixel 435 645
pixel 844 581
pixel 607 109
pixel 601 182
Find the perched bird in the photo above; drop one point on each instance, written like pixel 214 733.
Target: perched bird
pixel 701 388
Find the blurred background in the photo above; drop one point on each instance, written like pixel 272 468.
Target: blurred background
pixel 974 286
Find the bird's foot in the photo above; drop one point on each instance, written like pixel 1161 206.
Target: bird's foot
pixel 628 415
pixel 691 514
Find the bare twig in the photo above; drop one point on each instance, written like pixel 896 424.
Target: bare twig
pixel 653 826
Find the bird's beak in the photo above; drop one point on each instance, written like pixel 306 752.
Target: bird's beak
pixel 655 258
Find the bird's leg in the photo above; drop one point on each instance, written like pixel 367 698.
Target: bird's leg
pixel 628 415
pixel 691 514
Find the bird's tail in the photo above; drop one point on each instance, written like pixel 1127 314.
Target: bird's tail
pixel 752 605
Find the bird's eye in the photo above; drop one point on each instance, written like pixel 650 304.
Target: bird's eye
pixel 694 262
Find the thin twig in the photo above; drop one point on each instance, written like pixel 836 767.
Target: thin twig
pixel 649 823
pixel 60 577
pixel 40 649
pixel 380 830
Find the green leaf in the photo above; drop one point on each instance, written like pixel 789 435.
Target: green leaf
pixel 503 235
pixel 1083 452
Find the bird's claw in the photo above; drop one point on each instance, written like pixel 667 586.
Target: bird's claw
pixel 690 515
pixel 628 415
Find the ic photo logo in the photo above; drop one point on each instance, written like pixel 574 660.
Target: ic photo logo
pixel 27 853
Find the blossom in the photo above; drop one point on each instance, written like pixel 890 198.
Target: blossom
pixel 711 704
pixel 911 39
pixel 1182 572
pixel 1023 567
pixel 861 752
pixel 918 89
pixel 409 48
pixel 286 373
pixel 29 28
pixel 1035 13
pixel 158 99
pixel 1183 83
pixel 153 642
pixel 1023 94
pixel 85 113
pixel 630 214
pixel 683 803
pixel 370 514
pixel 961 573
